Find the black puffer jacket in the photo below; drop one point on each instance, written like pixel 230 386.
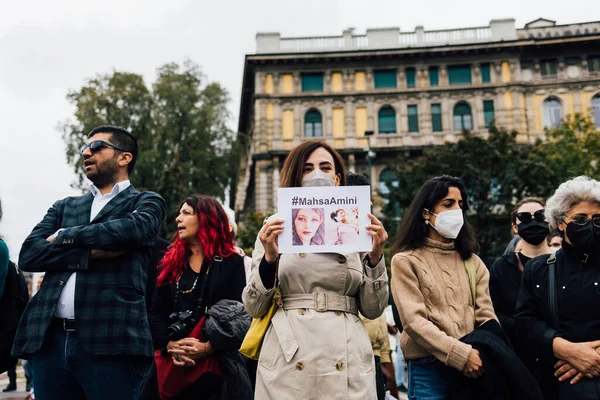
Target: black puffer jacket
pixel 226 325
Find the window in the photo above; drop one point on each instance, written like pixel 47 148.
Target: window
pixel 312 82
pixel 462 117
pixel 337 84
pixel 413 118
pixel 459 75
pixel 410 77
pixel 548 69
pixel 434 78
pixel 436 117
pixel 287 84
pixel 269 84
pixel 287 124
pixel 488 112
pixel 313 124
pixel 485 73
pixel 552 112
pixel 385 79
pixel 596 109
pixel 360 121
pixel 337 122
pixel 360 81
pixel 594 64
pixel 387 120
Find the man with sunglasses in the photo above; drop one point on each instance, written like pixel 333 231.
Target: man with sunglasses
pixel 558 310
pixel 86 331
pixel 529 222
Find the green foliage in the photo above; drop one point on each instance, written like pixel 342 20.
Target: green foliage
pixel 496 171
pixel 185 145
pixel 250 223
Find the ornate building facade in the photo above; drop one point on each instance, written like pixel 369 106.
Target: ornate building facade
pixel 407 90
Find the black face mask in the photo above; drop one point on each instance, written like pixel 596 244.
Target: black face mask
pixel 582 236
pixel 533 232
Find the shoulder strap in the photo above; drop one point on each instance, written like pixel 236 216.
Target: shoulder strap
pixel 470 267
pixel 552 295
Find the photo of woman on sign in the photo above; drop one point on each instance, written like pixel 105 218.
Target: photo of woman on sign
pixel 308 227
pixel 347 226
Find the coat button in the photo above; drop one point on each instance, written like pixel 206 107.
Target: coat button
pixel 299 366
pixel 301 311
pixel 302 254
pixel 338 313
pixel 60 283
pixel 339 366
pixel 341 259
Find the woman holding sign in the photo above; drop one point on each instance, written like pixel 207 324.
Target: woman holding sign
pixel 316 346
pixel 432 290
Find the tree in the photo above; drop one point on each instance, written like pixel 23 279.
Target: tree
pixel 250 223
pixel 185 145
pixel 496 171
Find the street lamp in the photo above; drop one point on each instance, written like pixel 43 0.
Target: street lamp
pixel 370 155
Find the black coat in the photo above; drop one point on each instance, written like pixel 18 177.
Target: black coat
pixel 505 376
pixel 578 287
pixel 505 283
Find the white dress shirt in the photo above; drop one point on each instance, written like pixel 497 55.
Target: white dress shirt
pixel 66 302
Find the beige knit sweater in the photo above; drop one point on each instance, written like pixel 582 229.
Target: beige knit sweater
pixel 431 290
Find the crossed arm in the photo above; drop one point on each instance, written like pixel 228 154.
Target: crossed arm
pixel 73 247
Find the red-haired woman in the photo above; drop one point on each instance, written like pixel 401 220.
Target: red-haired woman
pixel 200 268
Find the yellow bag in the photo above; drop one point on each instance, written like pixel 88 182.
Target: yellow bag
pixel 470 267
pixel 258 329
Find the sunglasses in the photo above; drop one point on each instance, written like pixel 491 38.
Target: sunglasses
pixel 98 145
pixel 526 217
pixel 583 220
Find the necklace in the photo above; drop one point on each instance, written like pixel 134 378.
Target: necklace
pixel 188 290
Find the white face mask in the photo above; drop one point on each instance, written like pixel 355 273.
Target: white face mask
pixel 448 223
pixel 317 178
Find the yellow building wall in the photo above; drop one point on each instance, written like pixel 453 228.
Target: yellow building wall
pixel 360 120
pixel 336 82
pixel 568 100
pixel 360 80
pixel 338 122
pixel 287 84
pixel 505 72
pixel 585 99
pixel 287 124
pixel 269 84
pixel 537 101
pixel 270 113
pixel 508 100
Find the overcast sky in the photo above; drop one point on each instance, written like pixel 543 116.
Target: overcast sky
pixel 49 47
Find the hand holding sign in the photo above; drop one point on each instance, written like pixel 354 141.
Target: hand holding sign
pixel 380 236
pixel 268 237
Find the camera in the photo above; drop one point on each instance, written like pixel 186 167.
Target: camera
pixel 183 325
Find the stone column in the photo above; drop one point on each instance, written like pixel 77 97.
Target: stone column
pixel 351 163
pixel 275 181
pixel 425 125
pixel 261 194
pixel 447 120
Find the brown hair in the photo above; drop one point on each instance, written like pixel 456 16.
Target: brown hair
pixel 538 200
pixel 293 167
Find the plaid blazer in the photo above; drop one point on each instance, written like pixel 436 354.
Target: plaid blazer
pixel 110 308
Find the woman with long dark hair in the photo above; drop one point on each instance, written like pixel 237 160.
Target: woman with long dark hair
pixel 200 268
pixel 432 291
pixel 316 347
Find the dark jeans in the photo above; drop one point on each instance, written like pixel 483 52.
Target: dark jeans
pixel 63 370
pixel 430 379
pixel 379 379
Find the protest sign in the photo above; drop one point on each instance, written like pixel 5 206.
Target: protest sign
pixel 324 219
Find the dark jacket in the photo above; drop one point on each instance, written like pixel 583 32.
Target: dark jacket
pixel 505 376
pixel 111 309
pixel 578 284
pixel 226 325
pixel 505 283
pixel 159 250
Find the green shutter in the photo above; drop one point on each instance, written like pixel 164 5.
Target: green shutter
pixel 594 64
pixel 485 73
pixel 413 118
pixel 387 120
pixel 459 74
pixel 312 82
pixel 410 77
pixel 385 79
pixel 436 117
pixel 488 112
pixel 434 79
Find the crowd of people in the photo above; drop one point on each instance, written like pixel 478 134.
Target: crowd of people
pixel 123 314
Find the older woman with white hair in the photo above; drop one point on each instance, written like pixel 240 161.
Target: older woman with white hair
pixel 558 311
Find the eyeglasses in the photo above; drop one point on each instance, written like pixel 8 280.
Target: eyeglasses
pixel 583 220
pixel 98 145
pixel 526 217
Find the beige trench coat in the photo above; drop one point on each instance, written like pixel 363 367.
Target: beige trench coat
pixel 309 354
